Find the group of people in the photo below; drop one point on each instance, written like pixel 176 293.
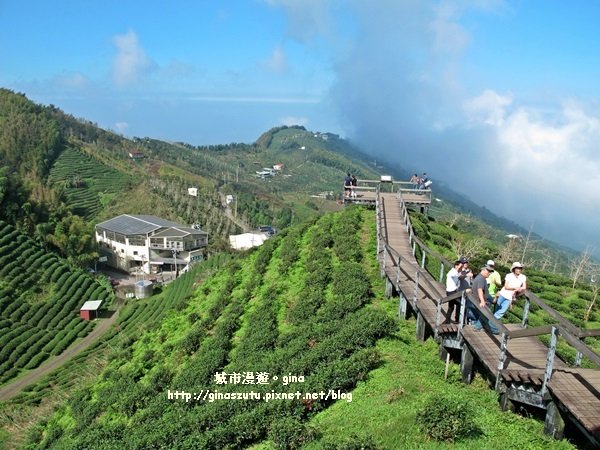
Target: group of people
pixel 420 182
pixel 488 288
pixel 350 185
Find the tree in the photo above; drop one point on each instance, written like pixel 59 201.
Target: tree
pixel 581 265
pixel 74 239
pixel 467 247
pixel 508 252
pixel 589 305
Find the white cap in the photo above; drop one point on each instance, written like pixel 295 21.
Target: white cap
pixel 490 263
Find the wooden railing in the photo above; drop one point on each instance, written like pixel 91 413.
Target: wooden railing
pixel 572 334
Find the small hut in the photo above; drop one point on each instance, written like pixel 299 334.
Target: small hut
pixel 89 310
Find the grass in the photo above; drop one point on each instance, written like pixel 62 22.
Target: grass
pixel 384 407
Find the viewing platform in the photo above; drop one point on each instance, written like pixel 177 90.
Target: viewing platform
pixel 366 191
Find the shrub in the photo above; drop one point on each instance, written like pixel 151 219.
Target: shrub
pixel 352 442
pixel 289 433
pixel 447 419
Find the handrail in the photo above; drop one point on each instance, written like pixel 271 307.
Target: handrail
pixel 572 334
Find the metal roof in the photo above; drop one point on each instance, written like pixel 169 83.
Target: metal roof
pixel 91 305
pixel 178 232
pixel 128 224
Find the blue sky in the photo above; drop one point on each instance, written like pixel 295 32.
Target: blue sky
pixel 500 99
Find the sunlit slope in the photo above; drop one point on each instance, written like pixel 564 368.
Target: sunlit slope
pixel 285 311
pixel 40 297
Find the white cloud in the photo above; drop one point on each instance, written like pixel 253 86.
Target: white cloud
pixel 307 18
pixel 291 121
pixel 277 63
pixel 130 61
pixel 544 164
pixel 75 81
pixel 121 127
pixel 488 108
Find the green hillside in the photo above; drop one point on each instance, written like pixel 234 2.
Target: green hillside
pixel 283 319
pixel 40 297
pixel 86 184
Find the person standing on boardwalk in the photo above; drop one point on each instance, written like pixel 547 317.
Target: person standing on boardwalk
pixel 415 181
pixel 347 185
pixel 515 283
pixel 480 289
pixel 354 184
pixel 452 285
pixel 494 281
pixel 465 274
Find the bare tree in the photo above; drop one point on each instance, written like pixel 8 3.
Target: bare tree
pixel 581 265
pixel 526 244
pixel 589 305
pixel 547 260
pixel 467 247
pixel 453 220
pixel 508 252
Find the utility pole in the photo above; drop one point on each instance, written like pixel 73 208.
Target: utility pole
pixel 175 251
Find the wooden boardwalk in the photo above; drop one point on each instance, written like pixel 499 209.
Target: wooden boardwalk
pixel 524 369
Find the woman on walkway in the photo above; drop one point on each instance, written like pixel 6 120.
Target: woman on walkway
pixel 514 284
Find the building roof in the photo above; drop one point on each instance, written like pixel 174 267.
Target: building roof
pixel 129 224
pixel 177 232
pixel 91 305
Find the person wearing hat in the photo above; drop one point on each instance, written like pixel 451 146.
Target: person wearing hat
pixel 514 284
pixel 480 289
pixel 494 281
pixel 465 274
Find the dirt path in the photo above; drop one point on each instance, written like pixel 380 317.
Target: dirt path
pixel 229 214
pixel 13 388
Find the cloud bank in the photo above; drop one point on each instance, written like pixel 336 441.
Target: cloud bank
pixel 401 90
pixel 131 60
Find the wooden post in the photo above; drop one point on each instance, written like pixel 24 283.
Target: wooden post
pixel 414 248
pixel 466 364
pixel 525 313
pixel 416 288
pixel 447 365
pixel 441 272
pixel 506 404
pixel 438 319
pixel 421 327
pixel 554 425
pixel 549 360
pixel 463 311
pixel 578 359
pixel 402 307
pixel 388 288
pixel 443 352
pixel 423 259
pixel 501 360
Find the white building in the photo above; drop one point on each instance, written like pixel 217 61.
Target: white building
pixel 247 240
pixel 149 243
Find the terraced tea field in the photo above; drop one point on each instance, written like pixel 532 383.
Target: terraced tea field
pixel 85 180
pixel 40 297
